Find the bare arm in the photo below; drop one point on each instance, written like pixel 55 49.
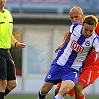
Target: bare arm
pixel 64 41
pixel 17 44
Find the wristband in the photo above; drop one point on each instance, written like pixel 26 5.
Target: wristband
pixel 15 43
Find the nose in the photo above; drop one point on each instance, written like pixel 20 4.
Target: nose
pixel 73 19
pixel 88 33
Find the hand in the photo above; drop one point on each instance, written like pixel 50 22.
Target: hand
pixel 20 45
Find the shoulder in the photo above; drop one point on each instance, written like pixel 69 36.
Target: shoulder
pixel 76 24
pixel 94 37
pixel 8 12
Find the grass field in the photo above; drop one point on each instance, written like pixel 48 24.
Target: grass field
pixel 35 97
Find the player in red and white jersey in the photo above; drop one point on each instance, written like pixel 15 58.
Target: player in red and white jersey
pixel 67 65
pixel 90 70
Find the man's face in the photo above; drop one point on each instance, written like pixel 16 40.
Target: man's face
pixel 87 29
pixel 2 3
pixel 76 17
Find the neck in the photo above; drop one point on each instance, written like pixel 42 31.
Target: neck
pixel 1 9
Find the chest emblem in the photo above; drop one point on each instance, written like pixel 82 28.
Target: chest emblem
pixel 87 43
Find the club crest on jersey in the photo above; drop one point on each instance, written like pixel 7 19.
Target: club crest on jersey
pixel 76 47
pixel 87 43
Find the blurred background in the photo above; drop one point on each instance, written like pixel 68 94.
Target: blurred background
pixel 41 25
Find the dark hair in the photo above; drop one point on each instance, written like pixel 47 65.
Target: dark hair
pixel 91 20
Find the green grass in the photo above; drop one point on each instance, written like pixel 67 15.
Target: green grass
pixel 35 97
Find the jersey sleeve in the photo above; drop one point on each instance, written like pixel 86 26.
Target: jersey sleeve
pixel 96 44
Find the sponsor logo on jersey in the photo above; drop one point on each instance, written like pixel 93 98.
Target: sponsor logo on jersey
pixel 76 47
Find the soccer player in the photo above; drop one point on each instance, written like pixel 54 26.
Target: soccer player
pixel 89 73
pixel 83 80
pixel 7 68
pixel 67 65
pixel 76 15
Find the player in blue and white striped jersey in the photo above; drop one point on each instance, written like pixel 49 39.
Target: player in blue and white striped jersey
pixel 66 67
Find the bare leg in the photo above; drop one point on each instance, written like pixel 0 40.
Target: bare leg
pixel 66 86
pixel 79 91
pixel 56 91
pixel 3 84
pixel 44 90
pixel 11 84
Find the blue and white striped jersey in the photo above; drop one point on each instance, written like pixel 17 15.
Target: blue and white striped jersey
pixel 75 51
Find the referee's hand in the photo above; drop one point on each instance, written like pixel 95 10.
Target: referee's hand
pixel 20 45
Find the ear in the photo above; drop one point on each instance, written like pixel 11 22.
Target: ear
pixel 83 16
pixel 82 24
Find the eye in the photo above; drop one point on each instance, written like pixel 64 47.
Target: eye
pixel 71 17
pixel 86 29
pixel 91 30
pixel 76 16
